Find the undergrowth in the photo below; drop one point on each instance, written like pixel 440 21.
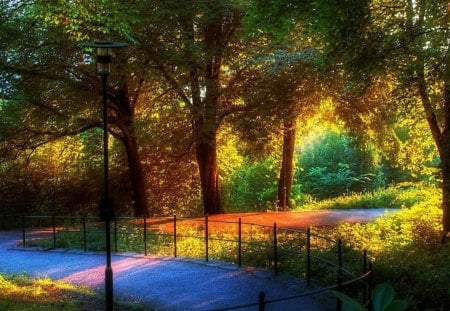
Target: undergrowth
pixel 403 195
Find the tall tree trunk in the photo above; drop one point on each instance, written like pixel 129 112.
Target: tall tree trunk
pixel 136 175
pixel 444 152
pixel 123 109
pixel 441 138
pixel 206 117
pixel 287 167
pixel 446 191
pixel 207 164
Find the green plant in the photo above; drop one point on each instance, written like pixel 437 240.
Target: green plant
pixel 404 195
pixel 252 187
pixel 383 300
pixel 333 164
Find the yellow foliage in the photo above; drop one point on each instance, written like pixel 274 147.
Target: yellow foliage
pixel 228 156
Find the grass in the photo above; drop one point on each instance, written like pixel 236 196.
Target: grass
pixel 403 195
pixel 19 292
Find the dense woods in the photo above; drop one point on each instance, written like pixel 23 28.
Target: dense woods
pixel 220 106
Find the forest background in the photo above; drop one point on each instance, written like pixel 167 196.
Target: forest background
pixel 220 106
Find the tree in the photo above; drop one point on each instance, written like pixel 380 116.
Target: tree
pixel 194 47
pixel 46 74
pixel 408 40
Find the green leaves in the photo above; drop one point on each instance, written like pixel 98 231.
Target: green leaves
pixel 348 304
pixel 383 300
pixel 83 20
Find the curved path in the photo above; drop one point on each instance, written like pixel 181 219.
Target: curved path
pixel 163 283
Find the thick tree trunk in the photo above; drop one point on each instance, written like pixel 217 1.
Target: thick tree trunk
pixel 444 152
pixel 209 177
pixel 287 167
pixel 123 109
pixel 136 176
pixel 446 193
pixel 442 140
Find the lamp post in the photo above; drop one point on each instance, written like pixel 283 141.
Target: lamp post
pixel 103 53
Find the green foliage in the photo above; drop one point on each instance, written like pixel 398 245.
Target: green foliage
pixel 332 165
pixel 406 250
pixel 253 186
pixel 383 297
pixel 403 195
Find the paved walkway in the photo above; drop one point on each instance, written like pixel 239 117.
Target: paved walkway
pixel 166 283
pixel 162 283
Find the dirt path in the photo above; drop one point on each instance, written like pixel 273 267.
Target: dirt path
pixel 292 220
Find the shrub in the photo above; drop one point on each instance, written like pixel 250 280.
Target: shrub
pixel 406 250
pixel 334 164
pixel 252 187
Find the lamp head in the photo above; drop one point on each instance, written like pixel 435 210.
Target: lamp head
pixel 103 51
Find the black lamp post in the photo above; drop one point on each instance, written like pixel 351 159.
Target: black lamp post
pixel 103 52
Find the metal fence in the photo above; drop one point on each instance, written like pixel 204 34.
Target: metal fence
pixel 300 252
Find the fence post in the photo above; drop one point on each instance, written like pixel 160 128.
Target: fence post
pixel 175 236
pixel 84 233
pixel 339 274
pixel 370 296
pixel 308 256
pixel 206 238
pixel 115 234
pixel 240 243
pixel 275 247
pixel 23 230
pixel 262 301
pixel 54 230
pixel 364 272
pixel 145 235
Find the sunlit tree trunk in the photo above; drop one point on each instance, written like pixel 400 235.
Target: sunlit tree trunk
pixel 287 167
pixel 441 136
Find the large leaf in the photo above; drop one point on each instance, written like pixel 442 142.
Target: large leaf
pixel 348 304
pixel 383 296
pixel 397 305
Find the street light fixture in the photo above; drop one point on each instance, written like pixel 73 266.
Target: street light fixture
pixel 103 53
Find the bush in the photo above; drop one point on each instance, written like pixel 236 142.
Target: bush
pixel 406 250
pixel 334 165
pixel 253 187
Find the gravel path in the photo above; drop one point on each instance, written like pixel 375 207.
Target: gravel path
pixel 167 283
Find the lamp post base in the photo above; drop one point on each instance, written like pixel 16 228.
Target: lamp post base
pixel 109 289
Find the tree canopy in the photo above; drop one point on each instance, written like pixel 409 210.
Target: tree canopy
pixel 212 94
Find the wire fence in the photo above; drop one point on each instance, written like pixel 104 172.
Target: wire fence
pixel 319 260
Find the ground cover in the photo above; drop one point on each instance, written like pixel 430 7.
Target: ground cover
pixel 19 292
pixel 406 250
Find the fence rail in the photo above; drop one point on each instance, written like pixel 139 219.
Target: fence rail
pixel 281 246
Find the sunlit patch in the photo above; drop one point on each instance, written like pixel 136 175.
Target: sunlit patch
pixel 24 289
